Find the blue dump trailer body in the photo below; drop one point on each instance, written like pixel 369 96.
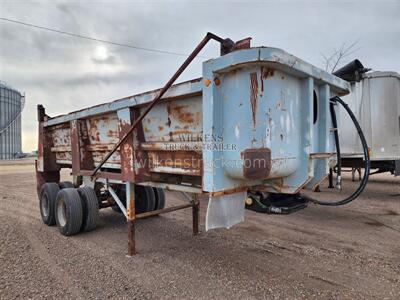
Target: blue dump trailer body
pixel 257 119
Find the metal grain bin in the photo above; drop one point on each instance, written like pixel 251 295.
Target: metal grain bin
pixel 11 105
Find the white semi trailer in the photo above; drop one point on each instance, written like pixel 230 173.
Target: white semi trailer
pixel 375 101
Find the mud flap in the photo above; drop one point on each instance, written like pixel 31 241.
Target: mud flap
pixel 225 211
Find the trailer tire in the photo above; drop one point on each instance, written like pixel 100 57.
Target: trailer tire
pixel 146 199
pixel 160 198
pixel 65 184
pixel 47 202
pixel 90 208
pixel 69 211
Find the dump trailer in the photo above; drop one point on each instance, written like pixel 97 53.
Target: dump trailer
pixel 375 100
pixel 257 119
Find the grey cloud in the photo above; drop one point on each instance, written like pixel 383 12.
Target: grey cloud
pixel 110 60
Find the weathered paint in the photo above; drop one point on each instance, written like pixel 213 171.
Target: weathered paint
pixel 43 177
pixel 254 104
pixel 126 151
pixel 254 96
pixel 257 163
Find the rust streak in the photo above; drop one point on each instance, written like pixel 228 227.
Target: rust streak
pixel 253 96
pixel 183 113
pixel 169 114
pixel 93 131
pixel 257 163
pixel 268 72
pixel 261 79
pixel 111 133
pixel 176 162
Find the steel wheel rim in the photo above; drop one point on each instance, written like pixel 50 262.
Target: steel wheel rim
pixel 61 213
pixel 45 205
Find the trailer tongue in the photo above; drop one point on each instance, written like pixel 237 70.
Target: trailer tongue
pixel 258 119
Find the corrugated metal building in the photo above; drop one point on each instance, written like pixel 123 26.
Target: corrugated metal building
pixel 11 105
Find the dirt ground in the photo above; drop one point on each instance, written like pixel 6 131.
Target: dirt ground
pixel 351 252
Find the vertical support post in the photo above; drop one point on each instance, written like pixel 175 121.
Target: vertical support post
pixel 130 217
pixel 131 238
pixel 195 213
pixel 46 161
pixel 77 180
pixel 126 150
pixel 75 147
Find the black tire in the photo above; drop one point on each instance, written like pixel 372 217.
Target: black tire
pixel 90 207
pixel 47 202
pixel 160 198
pixel 69 211
pixel 145 200
pixel 65 184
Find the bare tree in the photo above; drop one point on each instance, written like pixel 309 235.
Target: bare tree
pixel 332 61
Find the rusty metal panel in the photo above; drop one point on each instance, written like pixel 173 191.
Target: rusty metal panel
pixel 75 147
pixel 185 89
pixel 174 121
pixel 60 139
pixel 257 163
pixel 43 177
pixel 169 130
pixel 124 122
pixel 141 160
pixel 86 159
pixel 251 106
pixel 47 160
pixel 175 162
pixel 103 133
pixel 264 100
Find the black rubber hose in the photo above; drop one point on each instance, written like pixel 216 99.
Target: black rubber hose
pixel 364 181
pixel 336 134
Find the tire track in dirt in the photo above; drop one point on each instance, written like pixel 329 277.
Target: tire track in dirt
pixel 24 272
pixel 316 253
pixel 189 266
pixel 55 252
pixel 41 252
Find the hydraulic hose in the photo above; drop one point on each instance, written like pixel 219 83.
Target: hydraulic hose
pixel 336 135
pixel 364 181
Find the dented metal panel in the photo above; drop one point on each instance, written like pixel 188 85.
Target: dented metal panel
pixel 248 122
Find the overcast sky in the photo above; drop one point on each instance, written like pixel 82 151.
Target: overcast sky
pixel 65 73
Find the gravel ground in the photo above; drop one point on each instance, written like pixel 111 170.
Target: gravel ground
pixel 351 252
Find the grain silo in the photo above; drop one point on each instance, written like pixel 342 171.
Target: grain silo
pixel 11 106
